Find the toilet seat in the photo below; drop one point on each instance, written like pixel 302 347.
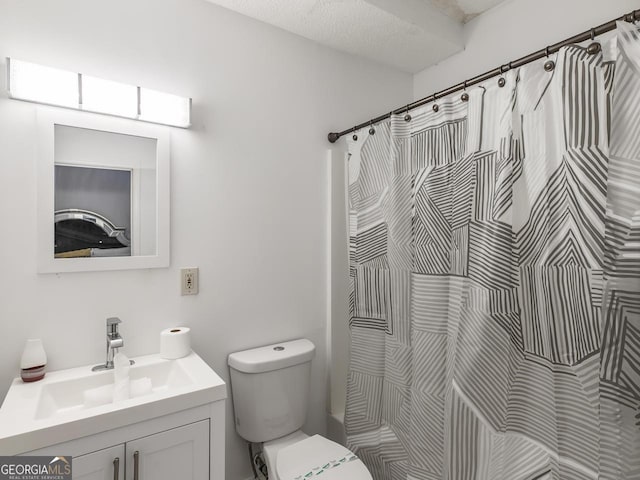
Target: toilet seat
pixel 323 458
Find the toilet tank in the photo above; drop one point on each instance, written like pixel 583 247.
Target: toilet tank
pixel 270 389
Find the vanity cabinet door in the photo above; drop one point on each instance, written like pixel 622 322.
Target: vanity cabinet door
pixel 181 453
pixel 107 464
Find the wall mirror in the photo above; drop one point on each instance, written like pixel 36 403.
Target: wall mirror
pixel 103 193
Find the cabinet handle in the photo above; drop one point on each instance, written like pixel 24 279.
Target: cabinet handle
pixel 116 468
pixel 136 458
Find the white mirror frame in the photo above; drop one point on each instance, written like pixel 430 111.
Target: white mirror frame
pixel 47 120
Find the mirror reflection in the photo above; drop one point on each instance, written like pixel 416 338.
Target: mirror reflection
pixel 104 194
pixel 92 212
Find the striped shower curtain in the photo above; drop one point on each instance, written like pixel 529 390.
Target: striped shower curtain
pixel 495 278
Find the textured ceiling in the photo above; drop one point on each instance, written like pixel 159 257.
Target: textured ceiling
pixel 406 34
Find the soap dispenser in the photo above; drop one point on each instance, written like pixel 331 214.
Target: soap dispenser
pixel 33 361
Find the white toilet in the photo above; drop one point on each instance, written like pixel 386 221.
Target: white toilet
pixel 270 387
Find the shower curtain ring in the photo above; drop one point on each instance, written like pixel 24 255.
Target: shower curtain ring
pixel 465 96
pixel 501 81
pixel 372 131
pixel 407 117
pixel 435 105
pixel 355 137
pixel 595 46
pixel 549 65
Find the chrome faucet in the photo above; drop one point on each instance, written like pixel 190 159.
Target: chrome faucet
pixel 114 342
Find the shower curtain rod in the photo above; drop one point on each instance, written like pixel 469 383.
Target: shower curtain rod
pixel 545 52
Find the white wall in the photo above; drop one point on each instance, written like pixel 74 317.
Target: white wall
pixel 514 29
pixel 338 294
pixel 249 183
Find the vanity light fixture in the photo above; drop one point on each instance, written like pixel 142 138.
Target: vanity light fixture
pixel 51 86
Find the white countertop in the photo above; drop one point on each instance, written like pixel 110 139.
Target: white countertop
pixel 23 426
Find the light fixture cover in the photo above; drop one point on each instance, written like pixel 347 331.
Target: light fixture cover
pixel 161 107
pixel 105 96
pixel 52 86
pixel 37 83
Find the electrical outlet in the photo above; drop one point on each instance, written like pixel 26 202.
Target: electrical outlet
pixel 189 281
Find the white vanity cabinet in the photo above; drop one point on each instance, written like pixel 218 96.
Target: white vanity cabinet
pixel 174 432
pixel 179 453
pixel 105 464
pixel 187 445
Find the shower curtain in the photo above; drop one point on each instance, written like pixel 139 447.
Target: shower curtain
pixel 495 278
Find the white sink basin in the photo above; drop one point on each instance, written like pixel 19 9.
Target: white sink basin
pixel 53 410
pixel 63 396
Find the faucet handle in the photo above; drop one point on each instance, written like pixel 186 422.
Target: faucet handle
pixel 112 324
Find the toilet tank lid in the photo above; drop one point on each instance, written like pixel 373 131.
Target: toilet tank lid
pixel 272 357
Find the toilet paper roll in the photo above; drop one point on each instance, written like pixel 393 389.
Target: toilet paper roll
pixel 175 342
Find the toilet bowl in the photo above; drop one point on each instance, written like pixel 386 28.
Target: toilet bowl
pixel 299 457
pixel 270 391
